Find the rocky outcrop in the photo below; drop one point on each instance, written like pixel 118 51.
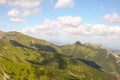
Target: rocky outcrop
pixel 78 42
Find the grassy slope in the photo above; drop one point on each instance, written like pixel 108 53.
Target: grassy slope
pixel 26 40
pixel 22 63
pixel 93 53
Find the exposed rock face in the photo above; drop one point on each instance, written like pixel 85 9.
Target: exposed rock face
pixel 33 44
pixel 77 42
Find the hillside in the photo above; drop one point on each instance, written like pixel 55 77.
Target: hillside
pixel 19 38
pixel 25 58
pixel 94 53
pixel 1 34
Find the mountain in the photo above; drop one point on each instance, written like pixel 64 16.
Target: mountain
pixel 17 38
pixel 117 51
pixel 94 53
pixel 26 58
pixel 1 34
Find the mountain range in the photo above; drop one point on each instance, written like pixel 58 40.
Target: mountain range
pixel 26 58
pixel 115 51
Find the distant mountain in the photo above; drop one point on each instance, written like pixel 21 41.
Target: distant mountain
pixel 98 54
pixel 26 58
pixel 115 51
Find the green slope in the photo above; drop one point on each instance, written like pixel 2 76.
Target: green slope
pixel 28 41
pixel 20 61
pixel 94 53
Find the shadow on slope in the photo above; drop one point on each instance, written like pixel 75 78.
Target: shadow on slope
pixel 62 64
pixel 90 63
pixel 15 43
pixel 39 47
pixel 57 58
pixel 46 48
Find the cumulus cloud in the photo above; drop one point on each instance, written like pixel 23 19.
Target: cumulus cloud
pixel 16 16
pixel 19 15
pixel 70 21
pixel 64 3
pixel 2 1
pixel 112 18
pixel 70 27
pixel 22 9
pixel 24 4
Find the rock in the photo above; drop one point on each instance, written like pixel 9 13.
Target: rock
pixel 78 42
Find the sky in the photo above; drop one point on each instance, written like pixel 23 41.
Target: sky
pixel 64 21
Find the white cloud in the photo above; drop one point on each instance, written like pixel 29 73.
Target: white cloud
pixel 18 20
pixel 16 16
pixel 13 13
pixel 112 18
pixel 72 29
pixel 24 4
pixel 104 31
pixel 2 1
pixel 64 3
pixel 19 15
pixel 22 9
pixel 70 21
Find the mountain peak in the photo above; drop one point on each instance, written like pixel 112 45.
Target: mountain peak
pixel 78 42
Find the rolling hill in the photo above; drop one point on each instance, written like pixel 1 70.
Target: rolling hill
pixel 98 54
pixel 26 58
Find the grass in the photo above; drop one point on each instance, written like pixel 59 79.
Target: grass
pixel 22 62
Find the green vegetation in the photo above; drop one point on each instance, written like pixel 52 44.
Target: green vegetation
pixel 94 53
pixel 26 58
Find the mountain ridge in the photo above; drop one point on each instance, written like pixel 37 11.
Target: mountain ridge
pixel 31 55
pixel 101 55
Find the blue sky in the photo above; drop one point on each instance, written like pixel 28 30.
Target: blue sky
pixel 64 21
